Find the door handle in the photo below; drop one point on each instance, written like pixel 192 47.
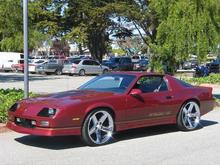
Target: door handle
pixel 169 97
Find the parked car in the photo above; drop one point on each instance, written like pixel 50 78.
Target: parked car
pixel 214 66
pixel 201 71
pixel 191 64
pixel 83 67
pixel 34 63
pixel 119 63
pixel 52 66
pixel 137 58
pixel 18 67
pixel 141 65
pixel 110 103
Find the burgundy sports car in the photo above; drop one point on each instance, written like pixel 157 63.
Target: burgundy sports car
pixel 110 103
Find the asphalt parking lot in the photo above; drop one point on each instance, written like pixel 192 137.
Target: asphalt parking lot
pixel 42 83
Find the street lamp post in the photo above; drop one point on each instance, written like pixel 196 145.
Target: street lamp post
pixel 25 29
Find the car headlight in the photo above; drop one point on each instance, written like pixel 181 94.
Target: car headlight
pixel 47 112
pixel 14 107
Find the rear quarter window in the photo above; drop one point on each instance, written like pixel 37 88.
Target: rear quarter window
pixel 183 83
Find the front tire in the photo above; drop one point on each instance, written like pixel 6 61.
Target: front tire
pixel 189 116
pixel 98 128
pixel 82 72
pixel 58 72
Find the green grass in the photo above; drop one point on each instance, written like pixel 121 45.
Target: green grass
pixel 7 98
pixel 211 79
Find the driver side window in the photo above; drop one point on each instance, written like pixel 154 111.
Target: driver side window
pixel 149 84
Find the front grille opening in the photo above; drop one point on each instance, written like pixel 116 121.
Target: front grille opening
pixel 27 123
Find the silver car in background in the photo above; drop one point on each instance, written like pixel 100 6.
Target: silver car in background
pixel 83 67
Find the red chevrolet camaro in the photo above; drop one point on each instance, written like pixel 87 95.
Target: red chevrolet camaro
pixel 110 103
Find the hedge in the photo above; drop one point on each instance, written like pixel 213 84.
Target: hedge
pixel 7 98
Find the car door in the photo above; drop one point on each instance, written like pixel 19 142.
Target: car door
pixel 87 66
pixel 96 68
pixel 154 101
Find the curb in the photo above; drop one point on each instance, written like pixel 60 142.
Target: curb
pixel 3 128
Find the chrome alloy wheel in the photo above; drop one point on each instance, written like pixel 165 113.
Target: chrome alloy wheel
pixel 100 127
pixel 191 115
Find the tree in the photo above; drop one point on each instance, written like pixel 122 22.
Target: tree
pixel 173 29
pixel 11 27
pixel 87 23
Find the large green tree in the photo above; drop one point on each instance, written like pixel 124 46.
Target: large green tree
pixel 11 25
pixel 173 29
pixel 187 27
pixel 87 23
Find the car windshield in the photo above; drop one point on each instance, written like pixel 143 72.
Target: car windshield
pixel 117 83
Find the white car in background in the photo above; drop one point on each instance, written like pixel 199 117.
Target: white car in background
pixel 33 65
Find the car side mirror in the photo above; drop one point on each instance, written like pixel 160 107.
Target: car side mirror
pixel 135 92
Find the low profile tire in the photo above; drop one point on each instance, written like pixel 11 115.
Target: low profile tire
pixel 105 71
pixel 189 116
pixel 82 72
pixel 98 128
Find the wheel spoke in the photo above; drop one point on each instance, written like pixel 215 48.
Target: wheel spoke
pixel 94 119
pixel 106 129
pixel 103 118
pixel 92 130
pixel 185 119
pixel 98 136
pixel 185 110
pixel 193 115
pixel 190 108
pixel 189 121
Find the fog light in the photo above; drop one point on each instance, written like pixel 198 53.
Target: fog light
pixel 18 120
pixel 33 122
pixel 44 123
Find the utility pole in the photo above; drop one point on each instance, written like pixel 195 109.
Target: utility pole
pixel 25 30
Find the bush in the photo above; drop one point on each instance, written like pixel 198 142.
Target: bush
pixel 7 98
pixel 211 79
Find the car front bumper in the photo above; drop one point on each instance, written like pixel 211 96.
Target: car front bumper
pixel 40 131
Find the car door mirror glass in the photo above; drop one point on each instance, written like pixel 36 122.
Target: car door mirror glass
pixel 135 92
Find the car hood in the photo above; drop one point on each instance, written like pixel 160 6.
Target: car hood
pixel 32 106
pixel 69 97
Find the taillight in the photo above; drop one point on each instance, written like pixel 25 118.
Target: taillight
pixel 74 66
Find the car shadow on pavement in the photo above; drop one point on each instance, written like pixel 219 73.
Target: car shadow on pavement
pixel 67 142
pixel 53 143
pixel 155 130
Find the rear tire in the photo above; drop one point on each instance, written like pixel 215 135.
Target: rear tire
pixel 189 116
pixel 82 72
pixel 98 128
